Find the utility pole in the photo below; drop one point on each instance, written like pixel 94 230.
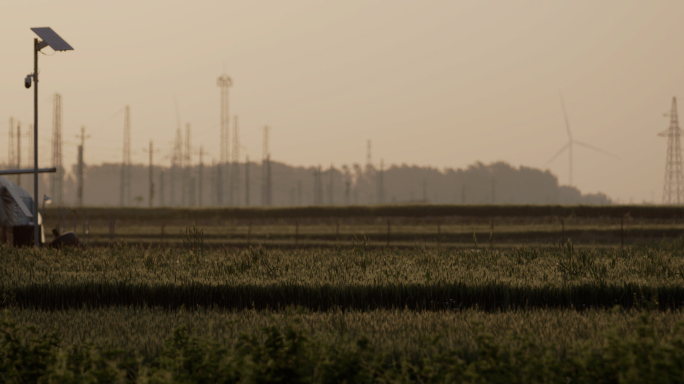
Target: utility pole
pixel 266 171
pixel 176 163
pixel 381 183
pixel 125 195
pixel 235 172
pixel 247 181
pixel 201 175
pixel 151 174
pixel 223 82
pixel 673 189
pixel 162 190
pixel 81 166
pixel 188 187
pixel 330 185
pixel 57 177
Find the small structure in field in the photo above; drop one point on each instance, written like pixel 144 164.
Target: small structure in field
pixel 16 215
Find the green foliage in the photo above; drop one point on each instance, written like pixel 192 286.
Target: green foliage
pixel 270 355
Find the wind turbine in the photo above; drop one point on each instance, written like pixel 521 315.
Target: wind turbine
pixel 571 142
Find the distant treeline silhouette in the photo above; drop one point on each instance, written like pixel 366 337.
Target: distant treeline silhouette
pixel 496 183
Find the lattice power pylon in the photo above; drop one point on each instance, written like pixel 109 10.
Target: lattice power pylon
pixel 224 82
pixel 57 177
pixel 673 190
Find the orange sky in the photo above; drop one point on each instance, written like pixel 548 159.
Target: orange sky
pixel 442 83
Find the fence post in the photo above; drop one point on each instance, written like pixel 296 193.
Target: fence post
pixel 622 233
pixel 296 233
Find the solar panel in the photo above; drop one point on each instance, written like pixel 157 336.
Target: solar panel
pixel 52 39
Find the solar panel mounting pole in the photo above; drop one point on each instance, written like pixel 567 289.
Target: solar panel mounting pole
pixel 36 228
pixel 53 40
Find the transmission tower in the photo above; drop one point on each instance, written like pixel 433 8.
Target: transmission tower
pixel 235 171
pixel 673 190
pixel 266 171
pixel 224 82
pixel 57 177
pixel 81 167
pixel 125 193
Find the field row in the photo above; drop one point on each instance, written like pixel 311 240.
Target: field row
pixel 151 345
pixel 360 277
pixel 144 329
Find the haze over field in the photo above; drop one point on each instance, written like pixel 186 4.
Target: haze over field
pixel 440 83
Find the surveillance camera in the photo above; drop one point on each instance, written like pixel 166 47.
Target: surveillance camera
pixel 27 81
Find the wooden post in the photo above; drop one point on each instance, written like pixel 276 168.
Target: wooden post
pixel 388 233
pixel 161 239
pixel 296 233
pixel 337 231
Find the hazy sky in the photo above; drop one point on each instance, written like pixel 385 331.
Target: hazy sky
pixel 441 83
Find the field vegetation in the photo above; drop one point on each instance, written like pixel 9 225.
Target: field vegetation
pixel 197 308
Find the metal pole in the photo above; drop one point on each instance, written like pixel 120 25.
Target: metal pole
pixel 36 230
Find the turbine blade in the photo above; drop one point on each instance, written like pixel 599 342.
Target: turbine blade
pixel 565 116
pixel 595 149
pixel 558 153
